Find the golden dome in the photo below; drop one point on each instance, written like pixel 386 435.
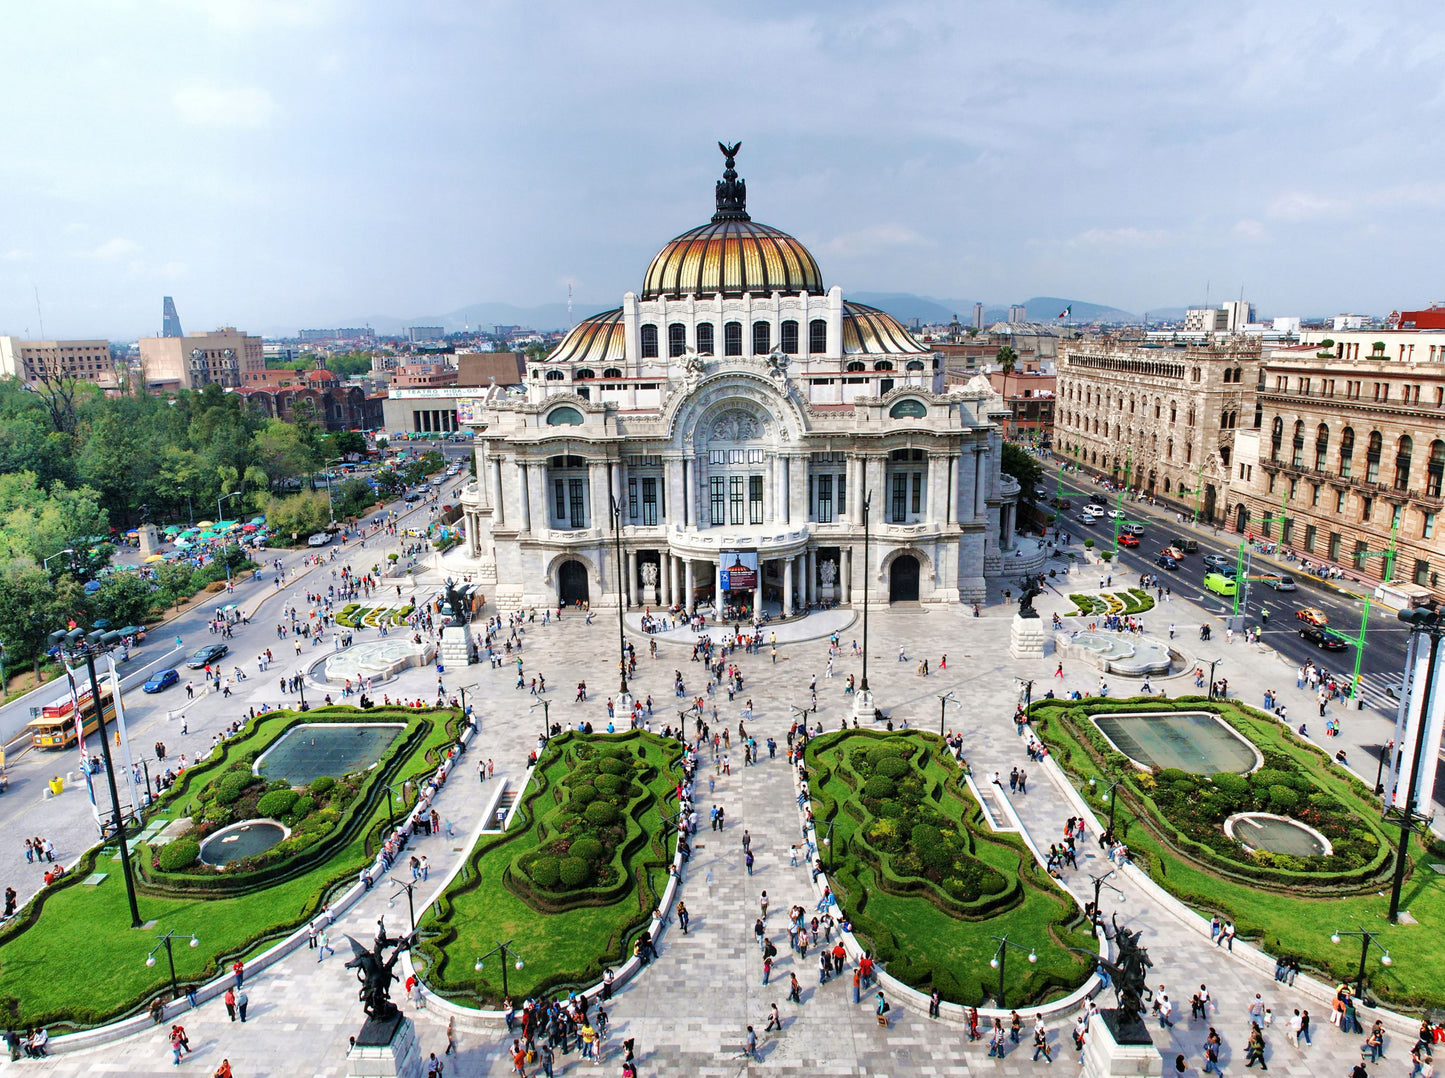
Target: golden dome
pixel 732 254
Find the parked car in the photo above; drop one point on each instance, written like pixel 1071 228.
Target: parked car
pixel 1281 582
pixel 1321 639
pixel 1217 561
pixel 161 680
pixel 207 655
pixel 1220 584
pixel 1311 615
pixel 412 496
pixel 1164 561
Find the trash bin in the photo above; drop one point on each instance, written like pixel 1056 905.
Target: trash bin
pixel 56 785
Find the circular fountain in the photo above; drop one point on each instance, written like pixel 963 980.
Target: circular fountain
pixel 240 840
pixel 1276 834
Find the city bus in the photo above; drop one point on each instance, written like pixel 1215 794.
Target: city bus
pixel 54 727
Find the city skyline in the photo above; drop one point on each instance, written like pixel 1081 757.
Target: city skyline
pixel 275 165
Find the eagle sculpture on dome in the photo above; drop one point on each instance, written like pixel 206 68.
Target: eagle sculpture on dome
pixel 732 193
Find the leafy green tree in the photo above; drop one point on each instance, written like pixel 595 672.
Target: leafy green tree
pixel 1024 467
pixel 352 498
pixel 280 450
pixel 343 442
pixel 29 612
pixel 300 515
pixel 175 583
pixel 124 598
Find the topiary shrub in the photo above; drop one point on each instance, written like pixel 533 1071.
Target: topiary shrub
pixel 879 788
pixel 276 803
pixel 601 814
pixel 182 853
pixel 612 784
pixel 583 796
pixel 544 871
pixel 303 807
pixel 322 784
pixel 891 767
pixel 589 849
pixel 574 872
pixel 613 766
pixel 1282 799
pixel 230 788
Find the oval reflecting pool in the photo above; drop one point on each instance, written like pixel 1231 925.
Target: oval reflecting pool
pixel 244 839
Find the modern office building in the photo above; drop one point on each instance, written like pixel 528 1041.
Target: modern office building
pixel 1017 312
pixel 724 434
pixel 83 360
pixel 222 356
pixel 170 319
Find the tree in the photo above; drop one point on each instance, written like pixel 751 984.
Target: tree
pixel 344 442
pixel 299 515
pixel 1008 359
pixel 124 598
pixel 175 583
pixel 1024 467
pixel 280 450
pixel 29 612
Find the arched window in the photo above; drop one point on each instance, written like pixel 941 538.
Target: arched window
pixel 1435 469
pixel 1322 447
pixel 676 339
pixel 1238 375
pixel 1169 456
pixel 856 365
pixel 818 336
pixel 1191 415
pixel 555 376
pixel 788 337
pixel 883 365
pixel 583 375
pixel 564 417
pixel 762 338
pixel 1173 411
pixel 704 339
pixel 1404 449
pixel 1297 457
pixel 1156 408
pixel 1372 457
pixel 1347 451
pixel 649 341
pixel 915 364
pixel 733 339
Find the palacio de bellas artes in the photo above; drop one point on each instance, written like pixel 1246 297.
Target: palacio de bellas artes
pixel 723 434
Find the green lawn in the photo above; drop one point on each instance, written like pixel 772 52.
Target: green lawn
pixel 920 942
pixel 81 964
pixel 1290 922
pixel 569 947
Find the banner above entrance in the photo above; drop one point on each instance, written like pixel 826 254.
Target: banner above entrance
pixel 739 570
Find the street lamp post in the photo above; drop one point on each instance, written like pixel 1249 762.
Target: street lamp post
pixel 1099 883
pixel 1108 795
pixel 57 554
pixel 78 645
pixel 1426 620
pixel 505 950
pixel 865 698
pixel 546 726
pixel 828 841
pixel 999 960
pixel 943 702
pixel 1366 938
pixel 220 516
pixel 621 602
pixel 466 717
pixel 165 941
pixel 410 904
pixel 1212 664
pixel 330 508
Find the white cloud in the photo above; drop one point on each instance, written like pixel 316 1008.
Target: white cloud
pixel 1306 206
pixel 204 105
pixel 1249 230
pixel 15 255
pixel 871 240
pixel 114 248
pixel 1128 236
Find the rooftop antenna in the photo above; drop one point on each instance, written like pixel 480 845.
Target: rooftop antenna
pixel 38 313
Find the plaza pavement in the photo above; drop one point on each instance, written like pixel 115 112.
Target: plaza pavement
pixel 689 1011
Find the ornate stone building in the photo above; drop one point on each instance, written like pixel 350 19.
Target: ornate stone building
pixel 722 430
pixel 1165 414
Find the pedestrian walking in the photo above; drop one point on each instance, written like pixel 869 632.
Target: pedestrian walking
pixel 230 1001
pixel 242 1002
pixel 324 947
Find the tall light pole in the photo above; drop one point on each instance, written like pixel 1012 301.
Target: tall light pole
pixel 1366 938
pixel 402 885
pixel 57 554
pixel 165 941
pixel 505 950
pixel 1001 957
pixel 220 516
pixel 621 602
pixel 865 698
pixel 943 702
pixel 77 644
pixel 330 508
pixel 1108 795
pixel 1420 620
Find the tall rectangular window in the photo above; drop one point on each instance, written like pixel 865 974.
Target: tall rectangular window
pixel 825 499
pixel 719 499
pixel 755 499
pixel 735 498
pixel 817 336
pixel 649 500
pixel 676 339
pixel 1334 547
pixel 1341 497
pixel 788 337
pixel 1427 526
pixel 733 339
pixel 704 338
pixel 1285 531
pixel 762 338
pixel 577 501
pixel 1361 548
pixel 842 494
pixel 1422 572
pixel 917 506
pixel 632 498
pixel 1309 538
pixel 561 507
pixel 899 509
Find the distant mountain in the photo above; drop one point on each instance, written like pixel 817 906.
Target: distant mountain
pixel 1047 308
pixel 483 316
pixel 906 306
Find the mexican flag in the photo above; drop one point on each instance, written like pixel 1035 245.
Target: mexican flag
pixel 1066 311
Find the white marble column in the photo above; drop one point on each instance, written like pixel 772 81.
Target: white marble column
pixel 689 476
pixel 717 588
pixel 980 482
pixel 758 593
pixel 785 495
pixel 845 574
pixel 769 483
pixel 664 579
pixel 525 495
pixel 494 477
pixel 633 591
pixel 687 584
pixel 950 494
pixel 787 587
pixel 797 492
pixel 673 511
pixel 597 490
pixel 810 578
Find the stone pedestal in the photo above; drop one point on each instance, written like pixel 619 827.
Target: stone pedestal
pixel 827 594
pixel 649 596
pixel 1114 1051
pixel 456 646
pixel 1027 638
pixel 386 1049
pixel 149 541
pixel 863 706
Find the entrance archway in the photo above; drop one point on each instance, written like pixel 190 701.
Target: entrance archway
pixel 903 579
pixel 572 583
pixel 1241 519
pixel 1209 496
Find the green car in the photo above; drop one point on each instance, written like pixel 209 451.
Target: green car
pixel 1219 584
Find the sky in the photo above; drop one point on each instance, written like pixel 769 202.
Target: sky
pixel 274 165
